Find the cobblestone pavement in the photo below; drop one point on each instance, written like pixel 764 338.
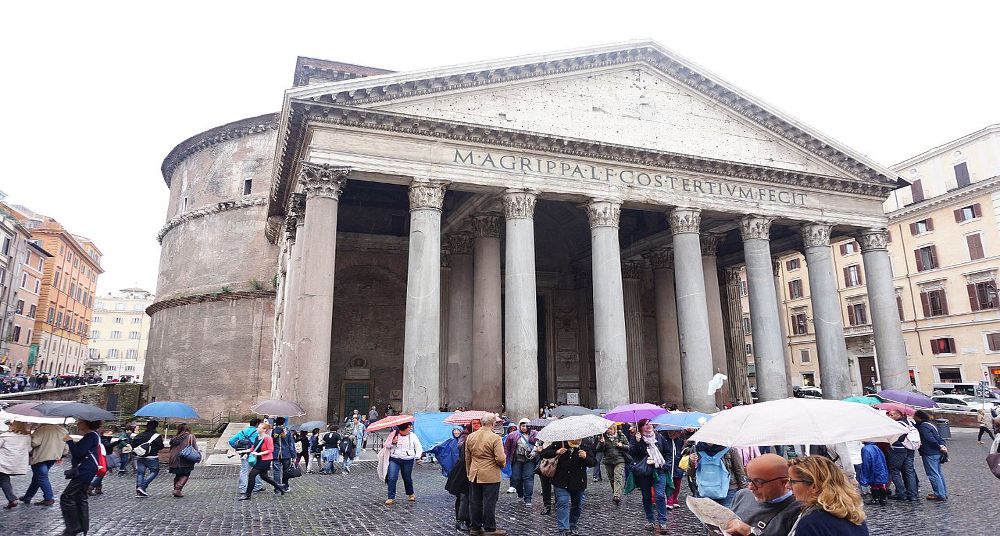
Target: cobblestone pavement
pixel 352 505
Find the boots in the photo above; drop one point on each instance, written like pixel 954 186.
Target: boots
pixel 179 485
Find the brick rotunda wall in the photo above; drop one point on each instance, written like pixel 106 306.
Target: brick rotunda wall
pixel 210 338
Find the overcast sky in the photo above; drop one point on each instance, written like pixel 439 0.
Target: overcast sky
pixel 95 94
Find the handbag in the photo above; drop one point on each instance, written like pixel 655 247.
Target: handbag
pixel 547 467
pixel 944 457
pixel 252 457
pixel 641 469
pixel 141 450
pixel 191 454
pixel 294 471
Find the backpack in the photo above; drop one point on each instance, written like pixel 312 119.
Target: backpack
pixel 912 439
pixel 345 446
pixel 102 460
pixel 241 441
pixel 713 475
pixel 143 449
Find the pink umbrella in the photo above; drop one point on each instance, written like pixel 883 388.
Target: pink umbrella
pixel 633 413
pixel 892 406
pixel 389 422
pixel 466 417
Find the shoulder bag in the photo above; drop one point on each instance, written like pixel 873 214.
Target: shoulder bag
pixel 252 457
pixel 190 453
pixel 143 449
pixel 547 467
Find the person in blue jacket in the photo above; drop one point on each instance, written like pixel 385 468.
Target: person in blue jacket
pixel 931 450
pixel 84 454
pixel 874 472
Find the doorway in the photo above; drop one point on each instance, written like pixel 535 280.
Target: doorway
pixel 869 376
pixel 357 396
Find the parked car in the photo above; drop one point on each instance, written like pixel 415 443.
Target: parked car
pixel 967 403
pixel 807 391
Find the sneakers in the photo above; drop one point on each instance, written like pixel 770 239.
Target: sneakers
pixel 548 510
pixel 618 501
pixel 347 470
pixel 936 498
pixel 527 504
pixel 139 492
pixel 390 502
pixel 511 489
pixel 411 498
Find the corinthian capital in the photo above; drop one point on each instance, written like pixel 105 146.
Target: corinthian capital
pixel 685 220
pixel 323 180
pixel 460 243
pixel 427 195
pixel 632 269
pixel 733 274
pixel 660 257
pixel 873 239
pixel 604 213
pixel 487 225
pixel 816 234
pixel 755 227
pixel 710 244
pixel 519 204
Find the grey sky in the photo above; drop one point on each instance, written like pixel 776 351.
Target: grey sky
pixel 95 95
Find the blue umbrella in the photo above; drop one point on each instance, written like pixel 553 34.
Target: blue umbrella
pixel 177 410
pixel 678 420
pixel 309 426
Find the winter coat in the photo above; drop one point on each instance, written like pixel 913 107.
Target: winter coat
pixel 177 444
pixel 47 443
pixel 639 454
pixel 484 456
pixel 14 450
pixel 458 479
pixel 571 470
pixel 874 469
pixel 613 454
pixel 510 443
pixel 284 443
pixel 930 439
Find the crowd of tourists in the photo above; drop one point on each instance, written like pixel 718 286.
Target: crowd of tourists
pixel 20 383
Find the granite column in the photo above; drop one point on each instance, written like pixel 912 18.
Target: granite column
pixel 610 352
pixel 771 368
pixel 713 299
pixel 460 307
pixel 834 370
pixel 668 354
pixel 520 306
pixel 888 334
pixel 632 293
pixel 487 338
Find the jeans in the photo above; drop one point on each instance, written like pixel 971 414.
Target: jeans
pixel 904 476
pixel 397 466
pixel 569 505
pixel 932 466
pixel 483 505
pixel 281 467
pixel 984 430
pixel 330 457
pixel 40 480
pixel 522 477
pixel 659 488
pixel 8 490
pixel 141 466
pixel 347 463
pixel 123 464
pixel 599 456
pixel 244 472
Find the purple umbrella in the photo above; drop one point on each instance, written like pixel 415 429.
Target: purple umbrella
pixel 908 398
pixel 633 413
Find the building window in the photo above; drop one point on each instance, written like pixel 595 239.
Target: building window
pixel 112 352
pixel 849 248
pixel 950 374
pixel 975 243
pixel 926 258
pixel 746 325
pixel 97 319
pixel 962 174
pixel 800 325
pixel 917 189
pixel 184 204
pixel 852 276
pixel 133 335
pixel 922 226
pixel 743 288
pixel 137 320
pixel 944 345
pixel 95 334
pixel 934 303
pixel 808 379
pixel 6 245
pixel 132 353
pixel 795 289
pixel 749 349
pixel 38 286
pixel 792 264
pixel 32 311
pixel 857 314
pixel 247 186
pixel 970 212
pixel 804 356
pixel 118 320
pixel 16 336
pixel 52 315
pixel 982 295
pixel 993 342
pixel 19 307
pixel 119 307
pixel 24 281
pixel 116 334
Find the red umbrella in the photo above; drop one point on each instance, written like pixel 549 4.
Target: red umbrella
pixel 890 406
pixel 466 417
pixel 389 422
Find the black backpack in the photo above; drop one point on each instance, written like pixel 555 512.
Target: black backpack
pixel 345 446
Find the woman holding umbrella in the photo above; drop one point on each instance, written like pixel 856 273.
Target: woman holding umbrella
pixel 651 471
pixel 83 453
pixel 570 480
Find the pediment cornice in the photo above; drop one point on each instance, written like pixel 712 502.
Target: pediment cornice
pixel 377 89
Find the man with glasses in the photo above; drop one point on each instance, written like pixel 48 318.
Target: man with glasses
pixel 766 507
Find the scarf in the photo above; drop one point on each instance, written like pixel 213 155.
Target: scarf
pixel 652 451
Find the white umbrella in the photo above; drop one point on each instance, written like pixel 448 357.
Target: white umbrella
pixel 576 427
pixel 34 419
pixel 797 421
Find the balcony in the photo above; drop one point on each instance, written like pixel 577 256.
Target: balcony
pixel 862 330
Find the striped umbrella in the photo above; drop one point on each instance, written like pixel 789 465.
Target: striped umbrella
pixel 389 422
pixel 466 417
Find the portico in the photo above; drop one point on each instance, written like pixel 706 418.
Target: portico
pixel 590 206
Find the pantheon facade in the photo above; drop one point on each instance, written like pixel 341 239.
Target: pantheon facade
pixel 561 227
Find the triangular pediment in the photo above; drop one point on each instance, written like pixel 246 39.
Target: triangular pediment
pixel 635 94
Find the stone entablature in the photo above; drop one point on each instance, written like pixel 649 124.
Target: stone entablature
pixel 204 140
pixel 209 297
pixel 243 202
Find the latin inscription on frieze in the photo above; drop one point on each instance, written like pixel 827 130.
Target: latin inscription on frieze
pixel 565 169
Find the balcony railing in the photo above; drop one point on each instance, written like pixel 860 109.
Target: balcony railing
pixel 858 331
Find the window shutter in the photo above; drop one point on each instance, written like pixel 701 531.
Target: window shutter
pixel 977 211
pixel 920 263
pixel 973 297
pixel 917 189
pixel 913 228
pixel 925 304
pixel 791 291
pixel 843 249
pixel 899 307
pixel 930 224
pixel 888 236
pixel 975 242
pixel 847 278
pixel 861 278
pixel 850 315
pixel 958 215
pixel 934 262
pixel 936 346
pixel 962 174
pixel 944 302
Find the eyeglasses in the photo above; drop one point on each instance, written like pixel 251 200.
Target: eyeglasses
pixel 793 481
pixel 758 483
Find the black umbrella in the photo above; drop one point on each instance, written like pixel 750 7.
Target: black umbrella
pixel 77 410
pixel 570 411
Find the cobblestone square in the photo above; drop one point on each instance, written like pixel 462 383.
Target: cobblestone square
pixel 352 505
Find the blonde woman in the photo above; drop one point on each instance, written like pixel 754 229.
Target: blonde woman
pixel 830 505
pixel 15 445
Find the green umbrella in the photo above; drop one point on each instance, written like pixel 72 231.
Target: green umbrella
pixel 867 400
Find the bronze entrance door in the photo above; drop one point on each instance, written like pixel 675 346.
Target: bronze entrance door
pixel 866 366
pixel 357 396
